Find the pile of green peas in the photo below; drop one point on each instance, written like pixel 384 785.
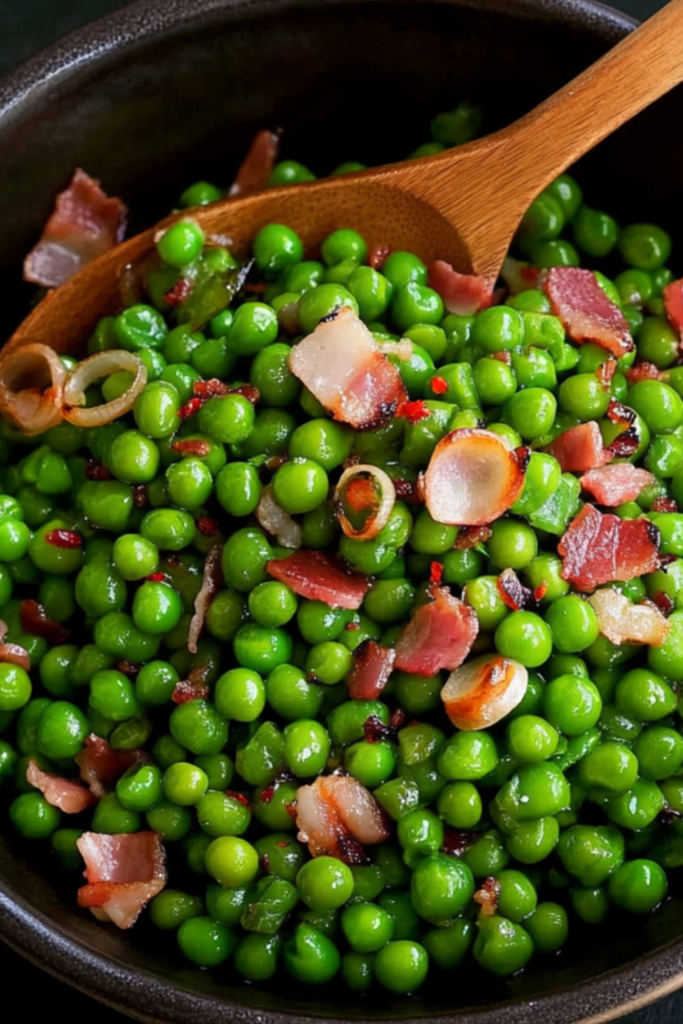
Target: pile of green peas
pixel 569 807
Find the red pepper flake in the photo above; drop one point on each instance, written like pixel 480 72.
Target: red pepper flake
pixel 192 446
pixel 412 411
pixel 34 619
pixel 291 809
pixel 352 626
pixel 470 536
pixel 96 470
pixel 439 385
pixel 605 372
pixel 64 539
pixel 239 797
pixel 664 505
pixel 282 845
pixel 511 591
pixel 435 573
pixel 157 577
pixel 378 255
pixel 139 495
pixel 540 591
pixel 268 793
pixel 247 391
pixel 376 731
pixel 190 408
pixel 663 602
pixel 503 356
pixel 179 293
pixel 188 690
pixel 206 389
pixel 207 526
pixel 487 897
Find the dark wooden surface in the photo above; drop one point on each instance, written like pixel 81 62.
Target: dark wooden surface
pixel 25 27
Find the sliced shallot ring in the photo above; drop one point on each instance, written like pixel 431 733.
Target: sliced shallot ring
pixel 31 387
pixel 375 521
pixel 472 478
pixel 94 368
pixel 481 692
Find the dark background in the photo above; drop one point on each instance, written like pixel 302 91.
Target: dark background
pixel 25 27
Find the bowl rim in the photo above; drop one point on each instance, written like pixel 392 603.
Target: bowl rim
pixel 47 944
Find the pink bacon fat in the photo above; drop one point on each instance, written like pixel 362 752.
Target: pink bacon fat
pixel 342 365
pixel 124 872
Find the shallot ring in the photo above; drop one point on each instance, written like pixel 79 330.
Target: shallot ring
pixel 375 522
pixel 94 368
pixel 27 400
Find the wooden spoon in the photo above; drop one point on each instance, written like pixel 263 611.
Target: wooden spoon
pixel 463 205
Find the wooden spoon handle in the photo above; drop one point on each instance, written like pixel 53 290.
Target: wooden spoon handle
pixel 637 71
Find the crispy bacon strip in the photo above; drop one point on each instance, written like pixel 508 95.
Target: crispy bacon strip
pixel 599 548
pixel 101 766
pixel 372 666
pixel 439 635
pixel 124 872
pixel 623 622
pixel 321 577
pixel 613 485
pixel 342 365
pixel 473 477
pixel 256 168
pixel 210 583
pixel 84 225
pixel 643 371
pixel 461 293
pixel 585 311
pixel 337 816
pixel 580 448
pixel 35 620
pixel 673 304
pixel 70 797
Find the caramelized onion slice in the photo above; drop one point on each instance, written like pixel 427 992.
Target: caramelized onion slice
pixel 31 387
pixel 483 691
pixel 276 521
pixel 622 622
pixel 472 478
pixel 94 368
pixel 365 493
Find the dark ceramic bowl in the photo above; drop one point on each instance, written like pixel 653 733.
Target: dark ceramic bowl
pixel 161 94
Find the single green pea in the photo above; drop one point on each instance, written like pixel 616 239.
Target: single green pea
pixel 644 246
pixel 401 966
pixel 524 637
pixel 502 946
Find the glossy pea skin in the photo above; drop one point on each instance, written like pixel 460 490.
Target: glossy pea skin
pixel 325 883
pixel 502 946
pixel 33 817
pixel 401 966
pixel 512 544
pixel 524 637
pixel 468 756
pixel 311 957
pixel 573 623
pixel 644 246
pixel 659 751
pixel 531 738
pixel 658 404
pixel 638 886
pixel 644 695
pixel 572 704
pixel 440 887
pixel 198 727
pixel 245 556
pixel 300 485
pixel 591 853
pixel 531 412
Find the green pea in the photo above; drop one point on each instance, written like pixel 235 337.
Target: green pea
pixel 524 637
pixel 502 946
pixel 594 232
pixel 572 704
pixel 644 246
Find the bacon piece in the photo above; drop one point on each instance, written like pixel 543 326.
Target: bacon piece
pixel 605 372
pixel 84 225
pixel 192 446
pixel 96 470
pixel 483 691
pixel 372 666
pixel 473 477
pixel 439 635
pixel 337 816
pixel 378 255
pixel 256 168
pixel 341 364
pixel 664 505
pixel 321 577
pixel 461 293
pixel 179 293
pixel 513 593
pixel 276 521
pixel 673 304
pixel 643 371
pixel 519 276
pixel 580 448
pixel 207 526
pixel 585 311
pixel 613 485
pixel 16 655
pixel 413 412
pixel 599 548
pixel 34 619
pixel 101 766
pixel 64 539
pixel 210 583
pixel 70 797
pixel 622 622
pixel 124 872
